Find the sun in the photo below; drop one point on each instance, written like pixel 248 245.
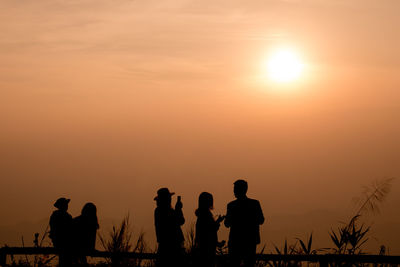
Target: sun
pixel 284 65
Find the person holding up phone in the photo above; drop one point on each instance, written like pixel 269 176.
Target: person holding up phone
pixel 168 222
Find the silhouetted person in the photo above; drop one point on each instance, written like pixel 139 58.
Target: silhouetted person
pixel 85 229
pixel 169 234
pixel 60 231
pixel 244 217
pixel 206 239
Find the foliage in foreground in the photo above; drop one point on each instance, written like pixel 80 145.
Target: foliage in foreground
pixel 120 239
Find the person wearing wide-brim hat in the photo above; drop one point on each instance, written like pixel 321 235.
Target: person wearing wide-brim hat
pixel 168 223
pixel 62 203
pixel 60 230
pixel 163 194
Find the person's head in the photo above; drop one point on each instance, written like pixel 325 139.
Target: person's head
pixel 163 197
pixel 206 201
pixel 89 210
pixel 62 203
pixel 240 188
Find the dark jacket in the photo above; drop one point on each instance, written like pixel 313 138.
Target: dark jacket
pixel 168 226
pixel 206 238
pixel 85 230
pixel 244 217
pixel 60 228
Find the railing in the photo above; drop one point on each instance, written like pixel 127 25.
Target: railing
pixel 322 259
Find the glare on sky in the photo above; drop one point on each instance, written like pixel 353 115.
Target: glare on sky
pixel 284 66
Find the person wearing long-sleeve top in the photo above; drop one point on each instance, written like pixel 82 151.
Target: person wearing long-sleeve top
pixel 85 228
pixel 60 231
pixel 206 238
pixel 244 217
pixel 168 222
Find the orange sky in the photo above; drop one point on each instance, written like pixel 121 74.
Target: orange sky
pixel 107 101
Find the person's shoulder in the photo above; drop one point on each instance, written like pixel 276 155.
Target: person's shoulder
pixel 60 215
pixel 232 203
pixel 53 216
pixel 208 215
pixel 56 213
pixel 77 222
pixel 253 201
pixel 160 211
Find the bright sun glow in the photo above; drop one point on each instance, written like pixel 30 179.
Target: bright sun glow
pixel 284 66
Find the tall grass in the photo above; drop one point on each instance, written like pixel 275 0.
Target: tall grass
pixel 121 239
pixel 190 237
pixel 350 237
pixel 373 196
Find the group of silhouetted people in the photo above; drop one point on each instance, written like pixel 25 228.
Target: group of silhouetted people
pixel 73 237
pixel 244 217
pixel 76 237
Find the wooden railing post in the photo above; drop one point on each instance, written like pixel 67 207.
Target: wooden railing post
pixel 3 257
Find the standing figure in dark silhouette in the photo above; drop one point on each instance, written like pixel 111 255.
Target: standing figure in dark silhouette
pixel 206 238
pixel 169 234
pixel 60 231
pixel 85 229
pixel 244 217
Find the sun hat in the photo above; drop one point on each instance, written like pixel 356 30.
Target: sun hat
pixel 162 193
pixel 61 201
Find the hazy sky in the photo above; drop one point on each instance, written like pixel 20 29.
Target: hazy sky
pixel 108 100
